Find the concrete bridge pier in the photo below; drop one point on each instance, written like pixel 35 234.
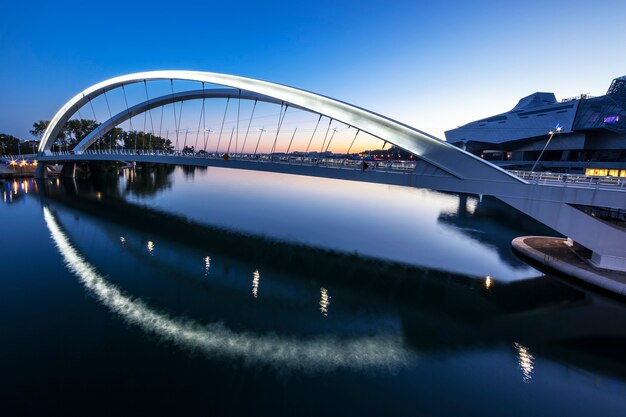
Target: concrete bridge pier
pixel 606 241
pixel 68 170
pixel 41 172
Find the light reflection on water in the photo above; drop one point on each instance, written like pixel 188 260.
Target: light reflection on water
pixel 324 301
pixel 216 339
pixel 526 362
pixel 207 265
pixel 428 335
pixel 255 283
pixel 413 226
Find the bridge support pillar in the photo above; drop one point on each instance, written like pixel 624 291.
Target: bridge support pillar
pixel 614 263
pixel 68 170
pixel 40 172
pixel 605 240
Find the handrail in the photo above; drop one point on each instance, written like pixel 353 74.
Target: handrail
pixel 576 180
pixel 311 160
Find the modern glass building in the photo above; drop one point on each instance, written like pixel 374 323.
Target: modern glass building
pixel 579 135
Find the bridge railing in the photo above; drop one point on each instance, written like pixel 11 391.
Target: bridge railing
pixel 27 156
pixel 575 180
pixel 311 160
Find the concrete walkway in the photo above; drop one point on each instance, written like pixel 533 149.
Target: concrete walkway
pixel 556 254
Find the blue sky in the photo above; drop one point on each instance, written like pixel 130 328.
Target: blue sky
pixel 433 65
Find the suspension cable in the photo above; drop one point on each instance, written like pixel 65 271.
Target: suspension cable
pixel 161 122
pixel 357 134
pixel 230 141
pixel 180 118
pixel 199 122
pixel 130 121
pixel 203 117
pixel 238 112
pixel 110 115
pixel 174 107
pixel 326 135
pixel 145 85
pixel 95 119
pixel 314 130
pixel 259 141
pixel 143 136
pixel 331 138
pixel 248 129
pixel 291 141
pixel 281 117
pixel 108 107
pixel 92 110
pixel 219 139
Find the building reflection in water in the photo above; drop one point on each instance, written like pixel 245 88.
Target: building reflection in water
pixel 150 247
pixel 255 283
pixel 16 189
pixel 526 362
pixel 324 301
pixel 216 339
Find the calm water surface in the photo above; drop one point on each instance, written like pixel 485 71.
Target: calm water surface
pixel 210 291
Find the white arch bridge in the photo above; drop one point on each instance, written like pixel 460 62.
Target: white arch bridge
pixel 438 165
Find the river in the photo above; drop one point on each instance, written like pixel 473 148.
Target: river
pixel 212 291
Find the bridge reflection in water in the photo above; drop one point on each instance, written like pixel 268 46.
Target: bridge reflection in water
pixel 413 312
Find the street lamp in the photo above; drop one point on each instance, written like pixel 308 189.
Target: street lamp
pixel 552 132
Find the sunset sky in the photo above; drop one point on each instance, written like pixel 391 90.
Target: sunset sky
pixel 432 65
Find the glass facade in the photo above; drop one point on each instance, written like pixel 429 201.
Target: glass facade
pixel 606 112
pixel 605 172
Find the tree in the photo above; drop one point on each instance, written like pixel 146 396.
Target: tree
pixel 8 144
pixel 39 128
pixel 78 129
pixel 143 140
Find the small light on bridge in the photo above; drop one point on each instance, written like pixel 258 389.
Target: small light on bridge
pixel 488 281
pixel 122 240
pixel 150 246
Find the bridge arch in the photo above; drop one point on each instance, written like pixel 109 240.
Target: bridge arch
pixel 169 99
pixel 450 159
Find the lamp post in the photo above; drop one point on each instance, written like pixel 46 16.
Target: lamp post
pixel 552 132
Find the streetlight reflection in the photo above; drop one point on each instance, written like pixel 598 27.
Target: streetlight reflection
pixel 324 301
pixel 207 265
pixel 255 283
pixel 526 362
pixel 216 339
